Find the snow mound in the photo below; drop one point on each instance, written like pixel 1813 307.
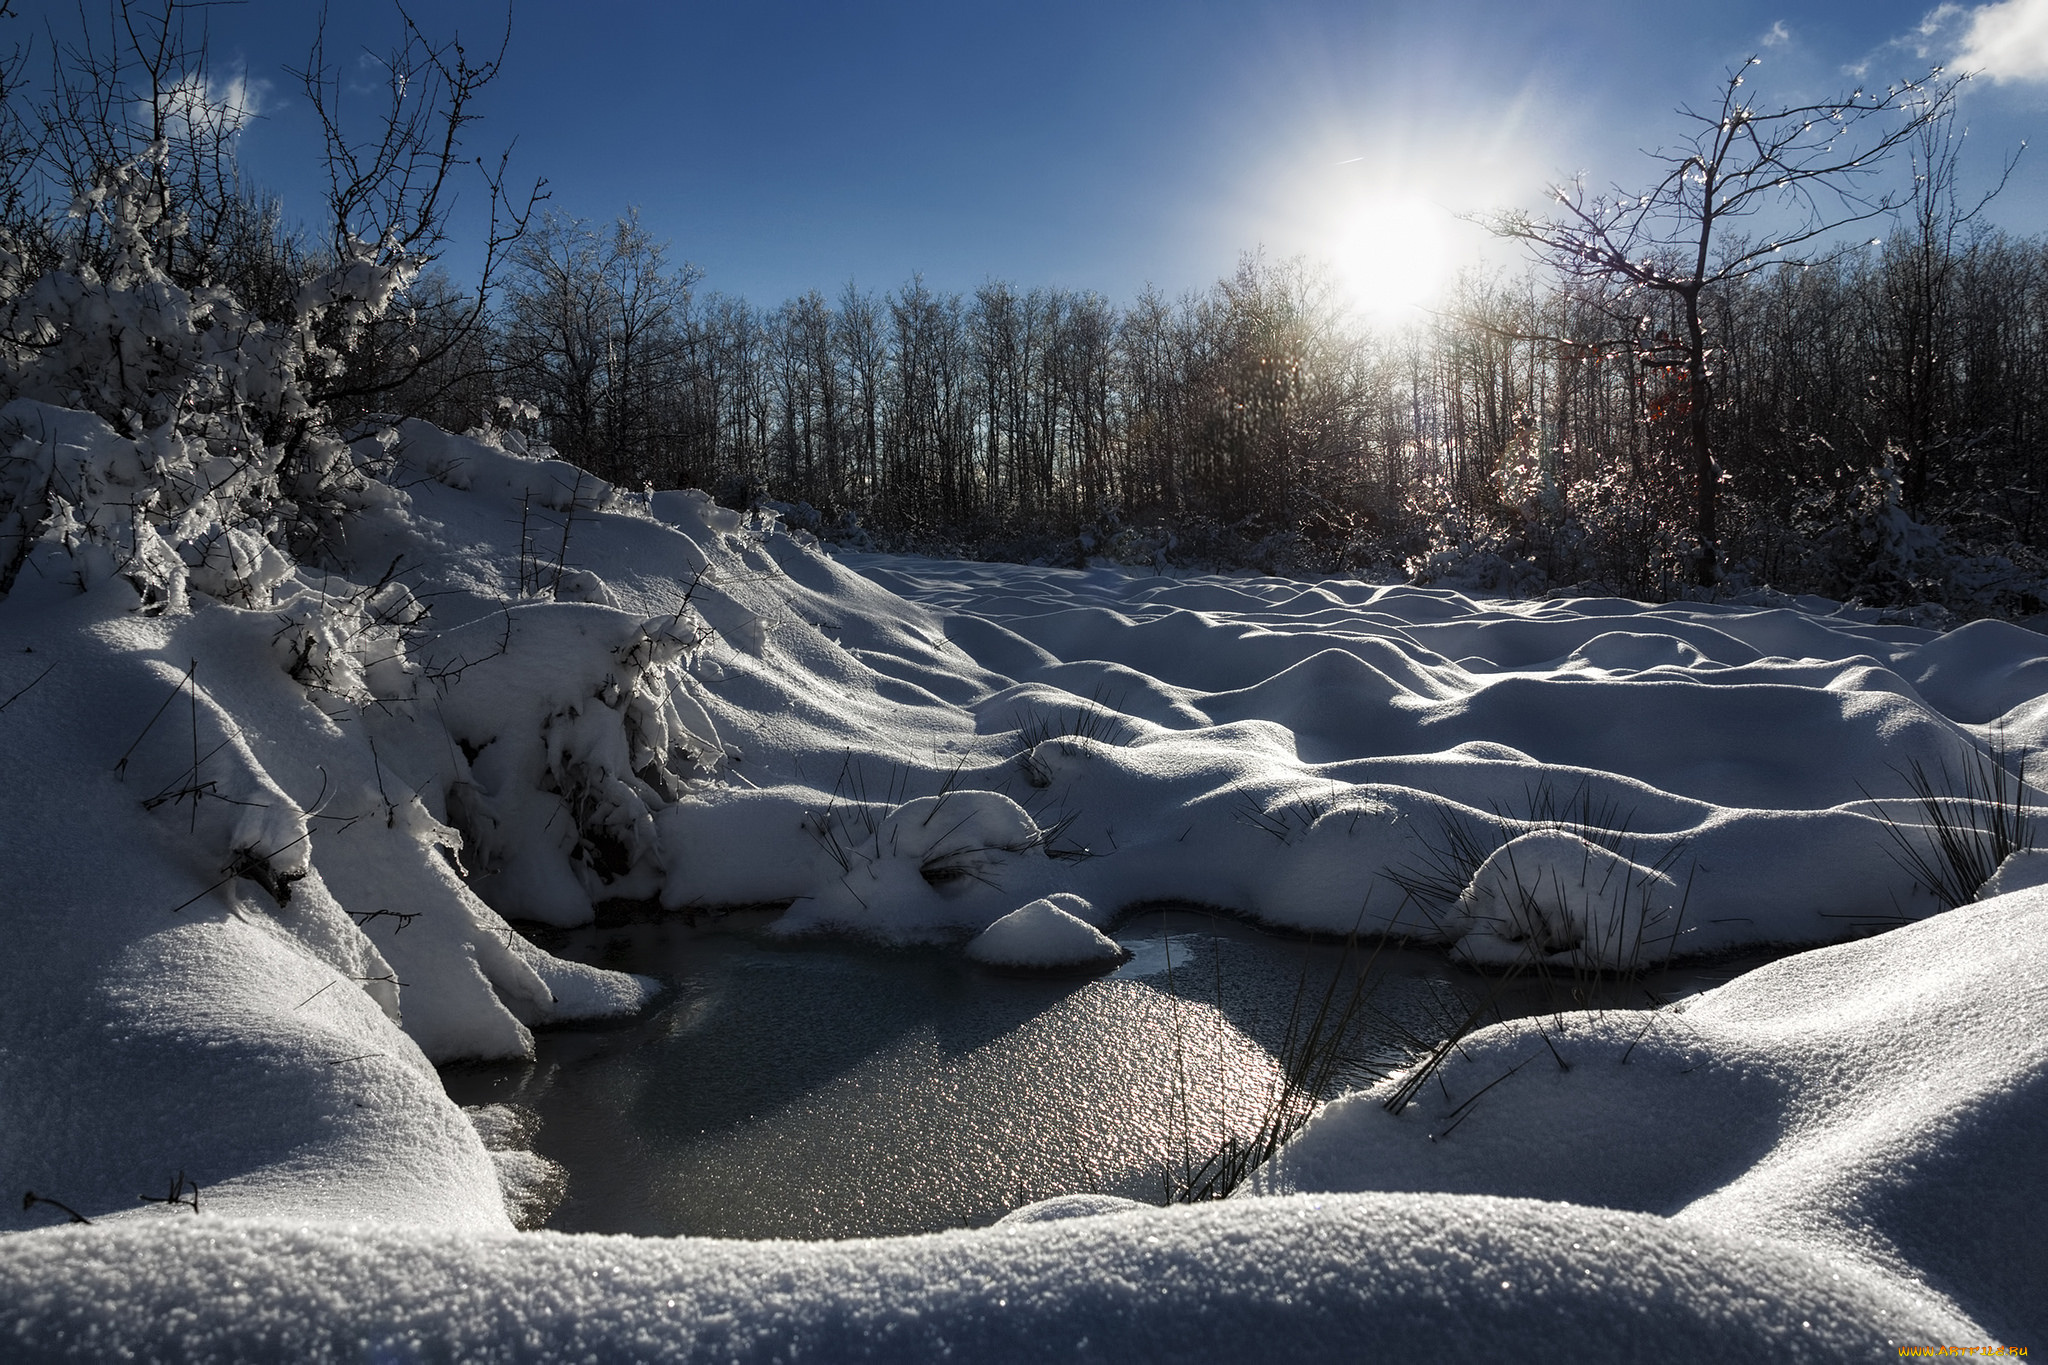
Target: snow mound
pixel 1062 1206
pixel 1042 934
pixel 1335 1278
pixel 2022 870
pixel 1550 896
pixel 292 743
pixel 1874 1103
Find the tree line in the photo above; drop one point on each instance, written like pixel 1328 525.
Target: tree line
pixel 1862 421
pixel 1876 415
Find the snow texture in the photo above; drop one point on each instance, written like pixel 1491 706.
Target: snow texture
pixel 267 823
pixel 1045 934
pixel 1827 1159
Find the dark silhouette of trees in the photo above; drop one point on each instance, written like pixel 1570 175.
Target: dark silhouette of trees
pixel 1517 441
pixel 595 327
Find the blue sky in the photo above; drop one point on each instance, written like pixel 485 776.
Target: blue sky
pixel 786 144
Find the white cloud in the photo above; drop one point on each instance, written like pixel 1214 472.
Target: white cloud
pixel 2007 41
pixel 199 101
pixel 1778 36
pixel 1937 19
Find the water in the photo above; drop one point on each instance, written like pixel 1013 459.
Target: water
pixel 829 1089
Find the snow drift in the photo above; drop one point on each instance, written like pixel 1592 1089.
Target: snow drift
pixel 1830 1159
pixel 269 815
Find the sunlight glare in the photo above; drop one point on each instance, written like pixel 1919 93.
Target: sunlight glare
pixel 1391 252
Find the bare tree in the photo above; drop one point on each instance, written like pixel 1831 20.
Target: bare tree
pixel 863 353
pixel 1915 332
pixel 1802 173
pixel 650 304
pixel 134 93
pixel 392 182
pixel 594 328
pixel 141 80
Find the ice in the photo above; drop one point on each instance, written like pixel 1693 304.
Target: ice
pixel 269 819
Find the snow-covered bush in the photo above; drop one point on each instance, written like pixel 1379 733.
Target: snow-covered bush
pixel 1613 532
pixel 164 455
pixel 231 446
pixel 1856 540
pixel 1552 896
pixel 580 731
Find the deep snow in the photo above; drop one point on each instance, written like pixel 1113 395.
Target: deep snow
pixel 261 837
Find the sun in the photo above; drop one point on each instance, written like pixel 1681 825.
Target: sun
pixel 1391 252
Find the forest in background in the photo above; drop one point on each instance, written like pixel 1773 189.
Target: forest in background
pixel 1878 418
pixel 1876 413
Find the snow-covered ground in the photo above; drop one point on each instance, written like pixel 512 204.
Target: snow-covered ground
pixel 265 825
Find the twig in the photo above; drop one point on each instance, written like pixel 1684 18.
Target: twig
pixel 1463 1111
pixel 176 1196
pixel 30 1199
pixel 314 996
pixel 24 691
pixel 121 765
pixel 404 918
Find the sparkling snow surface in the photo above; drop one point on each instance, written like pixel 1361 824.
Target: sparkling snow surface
pixel 238 938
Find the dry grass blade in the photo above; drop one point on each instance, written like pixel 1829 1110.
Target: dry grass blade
pixel 1314 1047
pixel 25 691
pixel 1970 824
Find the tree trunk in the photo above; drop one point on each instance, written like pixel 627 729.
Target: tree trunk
pixel 1706 469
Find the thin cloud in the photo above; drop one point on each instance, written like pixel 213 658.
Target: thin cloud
pixel 1778 36
pixel 199 102
pixel 1936 20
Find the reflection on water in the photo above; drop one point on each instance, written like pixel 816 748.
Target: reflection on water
pixel 827 1089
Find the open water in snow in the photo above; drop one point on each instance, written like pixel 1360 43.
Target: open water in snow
pixel 822 1088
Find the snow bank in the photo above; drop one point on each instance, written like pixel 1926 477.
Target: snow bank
pixel 1877 1104
pixel 1334 1278
pixel 541 693
pixel 1589 781
pixel 1828 1159
pixel 269 814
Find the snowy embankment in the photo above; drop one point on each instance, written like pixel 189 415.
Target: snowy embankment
pixel 1831 1159
pixel 266 823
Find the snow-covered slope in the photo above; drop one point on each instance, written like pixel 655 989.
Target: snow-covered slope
pixel 1830 1159
pixel 265 823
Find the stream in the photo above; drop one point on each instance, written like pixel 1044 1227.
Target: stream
pixel 822 1088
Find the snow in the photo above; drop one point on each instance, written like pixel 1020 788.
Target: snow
pixel 1045 933
pixel 1552 897
pixel 1337 1278
pixel 1871 1103
pixel 268 818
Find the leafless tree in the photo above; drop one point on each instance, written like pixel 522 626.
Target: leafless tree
pixel 141 79
pixel 1914 324
pixel 594 329
pixel 136 90
pixel 1750 190
pixel 393 177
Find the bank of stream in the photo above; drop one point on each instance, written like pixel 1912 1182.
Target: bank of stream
pixel 824 1088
